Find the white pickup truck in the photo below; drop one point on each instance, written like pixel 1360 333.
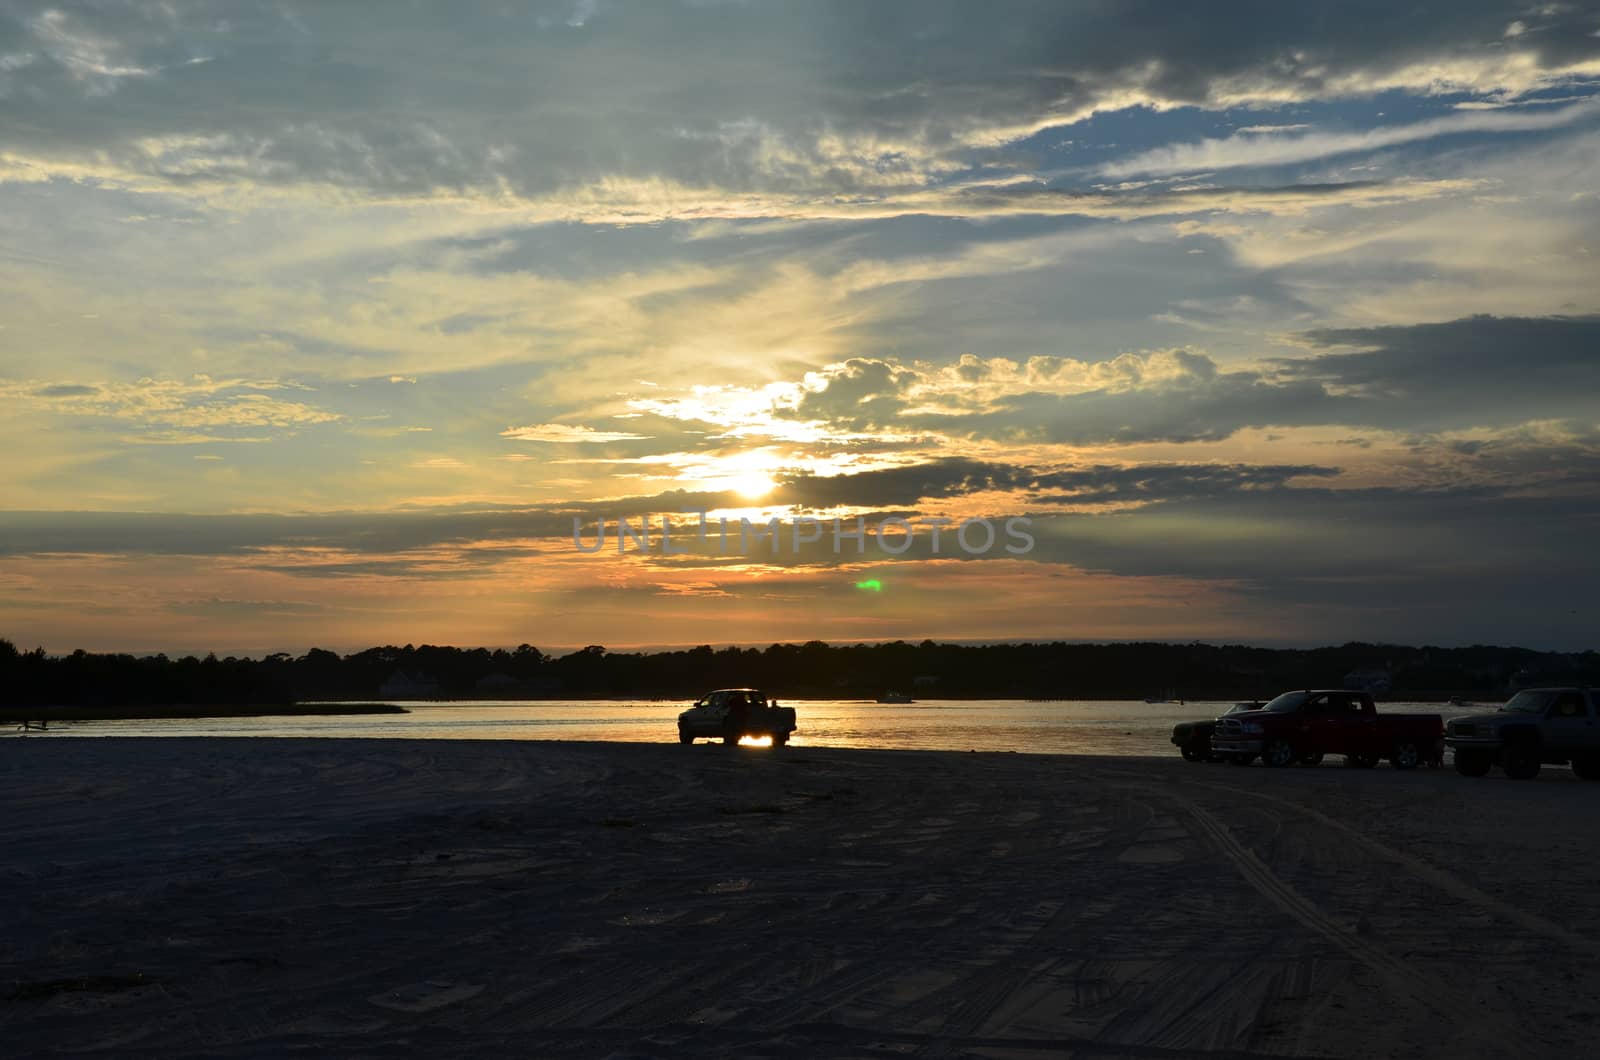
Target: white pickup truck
pixel 733 713
pixel 1538 726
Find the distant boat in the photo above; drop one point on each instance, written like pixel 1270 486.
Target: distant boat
pixel 895 697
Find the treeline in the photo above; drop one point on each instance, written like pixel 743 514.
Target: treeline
pixel 927 670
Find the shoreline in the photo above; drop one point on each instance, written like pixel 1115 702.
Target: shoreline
pixel 184 711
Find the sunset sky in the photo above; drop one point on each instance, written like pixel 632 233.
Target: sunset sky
pixel 320 323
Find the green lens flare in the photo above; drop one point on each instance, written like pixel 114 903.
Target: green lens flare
pixel 871 585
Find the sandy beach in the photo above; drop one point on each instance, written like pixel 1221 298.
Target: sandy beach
pixel 210 897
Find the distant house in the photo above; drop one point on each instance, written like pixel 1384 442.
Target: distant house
pixel 499 684
pixel 1372 680
pixel 402 685
pixel 1549 672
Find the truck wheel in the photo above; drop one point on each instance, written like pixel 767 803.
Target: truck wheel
pixel 1405 755
pixel 1191 753
pixel 1361 761
pixel 1240 759
pixel 780 739
pixel 1586 768
pixel 1277 753
pixel 1473 763
pixel 1311 758
pixel 1520 761
pixel 684 737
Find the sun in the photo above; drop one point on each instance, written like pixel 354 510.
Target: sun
pixel 751 484
pixel 751 474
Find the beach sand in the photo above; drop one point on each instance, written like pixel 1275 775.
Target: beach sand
pixel 254 897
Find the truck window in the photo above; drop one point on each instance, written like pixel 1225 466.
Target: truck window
pixel 1287 703
pixel 1568 705
pixel 1528 701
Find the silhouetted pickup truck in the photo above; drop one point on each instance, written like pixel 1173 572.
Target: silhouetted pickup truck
pixel 1304 726
pixel 733 713
pixel 1537 726
pixel 1193 738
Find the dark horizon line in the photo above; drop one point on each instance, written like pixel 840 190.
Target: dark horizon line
pixel 561 651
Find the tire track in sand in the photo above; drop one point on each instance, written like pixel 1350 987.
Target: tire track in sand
pixel 1431 874
pixel 1398 977
pixel 1424 871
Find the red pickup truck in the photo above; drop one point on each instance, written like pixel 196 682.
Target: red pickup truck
pixel 1304 726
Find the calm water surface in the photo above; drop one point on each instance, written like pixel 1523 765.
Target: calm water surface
pixel 1073 726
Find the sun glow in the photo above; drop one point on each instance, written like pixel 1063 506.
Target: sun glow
pixel 749 474
pixel 752 484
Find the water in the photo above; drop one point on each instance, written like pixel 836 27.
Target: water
pixel 1064 727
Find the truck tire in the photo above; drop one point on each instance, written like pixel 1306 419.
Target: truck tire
pixel 1405 755
pixel 1277 753
pixel 780 739
pixel 1193 753
pixel 1586 768
pixel 1520 761
pixel 683 735
pixel 1473 763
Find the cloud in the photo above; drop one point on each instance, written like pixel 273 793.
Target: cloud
pixel 830 99
pixel 264 535
pixel 311 541
pixel 1267 130
pixel 1246 150
pixel 195 404
pixel 1478 371
pixel 1335 564
pixel 66 390
pixel 1481 369
pixel 234 610
pixel 1375 555
pixel 1121 484
pixel 1100 484
pixel 565 434
pixel 859 391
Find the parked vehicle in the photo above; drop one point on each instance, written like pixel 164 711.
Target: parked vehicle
pixel 1304 726
pixel 733 713
pixel 1193 738
pixel 1536 727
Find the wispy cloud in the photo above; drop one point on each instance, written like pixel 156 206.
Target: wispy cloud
pixel 1267 130
pixel 199 402
pixel 565 434
pixel 1236 151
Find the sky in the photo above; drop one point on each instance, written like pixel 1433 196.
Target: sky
pixel 326 324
